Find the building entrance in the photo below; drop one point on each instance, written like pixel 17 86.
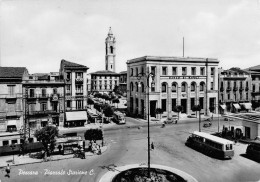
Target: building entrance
pixel 247 132
pixel 184 105
pixel 153 108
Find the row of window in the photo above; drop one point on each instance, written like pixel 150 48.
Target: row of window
pixel 235 96
pixel 105 81
pixel 94 87
pixel 174 87
pixel 78 75
pixel 43 92
pixel 235 84
pixel 100 77
pixel 174 71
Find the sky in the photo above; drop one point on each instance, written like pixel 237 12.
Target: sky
pixel 38 34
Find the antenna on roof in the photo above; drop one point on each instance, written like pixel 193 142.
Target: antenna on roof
pixel 183 47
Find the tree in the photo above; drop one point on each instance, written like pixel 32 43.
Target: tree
pixel 46 136
pixel 196 108
pixel 116 101
pixel 178 109
pixel 159 111
pixel 90 101
pixel 108 111
pixel 93 135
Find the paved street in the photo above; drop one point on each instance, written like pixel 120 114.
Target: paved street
pixel 129 146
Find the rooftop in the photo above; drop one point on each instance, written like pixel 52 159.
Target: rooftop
pixel 68 64
pixel 12 72
pixel 173 59
pixel 104 72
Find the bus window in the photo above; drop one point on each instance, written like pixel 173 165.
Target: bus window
pixel 228 147
pixel 5 142
pixel 14 141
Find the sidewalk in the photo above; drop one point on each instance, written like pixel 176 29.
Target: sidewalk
pixel 21 160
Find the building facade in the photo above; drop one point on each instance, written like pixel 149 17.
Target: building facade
pixel 104 81
pixel 110 58
pixel 123 82
pixel 234 90
pixel 177 81
pixel 43 100
pixel 75 78
pixel 11 98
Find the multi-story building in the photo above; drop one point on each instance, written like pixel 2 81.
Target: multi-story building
pixel 123 82
pixel 43 100
pixel 177 81
pixel 11 98
pixel 75 77
pixel 104 81
pixel 234 90
pixel 255 75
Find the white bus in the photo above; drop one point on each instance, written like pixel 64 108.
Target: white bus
pixel 119 117
pixel 211 145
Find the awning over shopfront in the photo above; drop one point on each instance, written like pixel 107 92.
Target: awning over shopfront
pixel 77 115
pixel 11 122
pixel 223 106
pixel 237 106
pixel 248 105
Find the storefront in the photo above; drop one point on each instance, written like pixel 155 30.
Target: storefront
pixel 75 119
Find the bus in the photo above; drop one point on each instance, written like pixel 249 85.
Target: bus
pixel 211 145
pixel 119 117
pixel 253 150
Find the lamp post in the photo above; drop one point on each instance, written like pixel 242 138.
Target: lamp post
pixel 147 76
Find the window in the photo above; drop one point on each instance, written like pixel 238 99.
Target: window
pixel 235 97
pixel 111 49
pixel 55 91
pixel 44 92
pixel 174 70
pixel 228 96
pixel 115 82
pixel 79 104
pixel 14 141
pixel 247 96
pixel 164 87
pixel 79 74
pixel 142 85
pixel 43 106
pixel 31 93
pixel 153 70
pixel 212 71
pixel 131 86
pixel 184 71
pixel 142 70
pixel 241 96
pixel 68 103
pixel 174 87
pixel 202 71
pixel 183 87
pixel 11 89
pixel 202 85
pixel 136 71
pixel 68 76
pixel 222 97
pixel 5 142
pixel 132 72
pixel 136 86
pixel 193 86
pixel 228 84
pixel 211 86
pixel 164 70
pixel 253 87
pixel 193 71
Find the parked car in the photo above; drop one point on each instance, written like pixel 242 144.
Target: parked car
pixel 170 120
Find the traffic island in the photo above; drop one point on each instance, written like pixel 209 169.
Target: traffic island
pixel 136 173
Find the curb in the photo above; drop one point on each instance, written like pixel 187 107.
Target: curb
pixel 55 159
pixel 108 177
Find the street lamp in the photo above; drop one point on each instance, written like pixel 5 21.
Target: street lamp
pixel 147 76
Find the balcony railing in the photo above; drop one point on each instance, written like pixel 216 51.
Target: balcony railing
pixel 228 89
pixel 43 112
pixel 79 80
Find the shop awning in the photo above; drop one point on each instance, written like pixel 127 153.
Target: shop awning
pixel 237 106
pixel 77 115
pixel 11 122
pixel 248 105
pixel 223 106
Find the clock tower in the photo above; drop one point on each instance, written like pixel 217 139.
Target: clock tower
pixel 110 51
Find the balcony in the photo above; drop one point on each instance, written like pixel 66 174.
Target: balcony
pixel 46 112
pixel 79 92
pixel 235 89
pixel 79 80
pixel 228 89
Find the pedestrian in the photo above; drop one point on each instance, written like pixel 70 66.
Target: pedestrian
pixel 152 146
pixel 8 170
pixel 212 117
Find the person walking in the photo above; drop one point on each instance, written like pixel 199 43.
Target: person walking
pixel 152 146
pixel 8 170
